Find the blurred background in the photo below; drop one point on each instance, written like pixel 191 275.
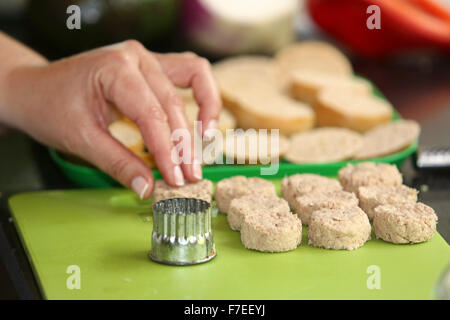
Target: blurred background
pixel 408 59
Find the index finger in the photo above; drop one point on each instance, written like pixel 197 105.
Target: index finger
pixel 188 70
pixel 127 88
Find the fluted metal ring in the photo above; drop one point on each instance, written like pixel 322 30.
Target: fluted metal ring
pixel 182 232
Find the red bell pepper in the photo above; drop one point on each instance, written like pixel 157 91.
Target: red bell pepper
pixel 405 25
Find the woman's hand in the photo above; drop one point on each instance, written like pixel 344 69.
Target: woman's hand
pixel 67 104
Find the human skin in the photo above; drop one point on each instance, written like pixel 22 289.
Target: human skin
pixel 68 104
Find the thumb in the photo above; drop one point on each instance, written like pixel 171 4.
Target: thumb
pixel 115 159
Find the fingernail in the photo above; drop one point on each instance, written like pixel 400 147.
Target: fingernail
pixel 197 169
pixel 140 186
pixel 212 125
pixel 178 174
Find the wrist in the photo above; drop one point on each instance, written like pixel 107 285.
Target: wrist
pixel 14 56
pixel 18 88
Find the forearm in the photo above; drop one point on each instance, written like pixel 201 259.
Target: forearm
pixel 13 57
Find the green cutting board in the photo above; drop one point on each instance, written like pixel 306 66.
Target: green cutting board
pixel 107 234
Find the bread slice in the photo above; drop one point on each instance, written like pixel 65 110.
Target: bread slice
pixel 198 190
pixel 128 134
pixel 271 233
pixel 323 145
pixel 405 222
pixel 353 176
pixel 147 158
pixel 305 86
pixel 261 68
pixel 341 108
pixel 255 204
pixel 339 228
pixel 305 205
pixel 269 111
pixel 239 186
pixel 371 197
pixel 250 88
pixel 245 147
pixel 388 138
pixel 312 56
pixel 300 184
pixel 259 105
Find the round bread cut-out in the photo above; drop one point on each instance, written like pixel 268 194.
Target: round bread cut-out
pixel 352 176
pixel 404 222
pixel 300 184
pixel 255 204
pixel 238 186
pixel 305 205
pixel 323 145
pixel 270 233
pixel 342 228
pixel 371 197
pixel 199 190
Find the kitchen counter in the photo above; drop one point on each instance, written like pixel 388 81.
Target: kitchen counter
pixel 419 89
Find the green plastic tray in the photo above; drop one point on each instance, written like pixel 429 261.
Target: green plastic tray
pixel 90 177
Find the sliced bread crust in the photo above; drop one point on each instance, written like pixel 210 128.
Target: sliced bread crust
pixel 259 105
pixel 358 112
pixel 305 86
pixel 128 134
pixel 314 56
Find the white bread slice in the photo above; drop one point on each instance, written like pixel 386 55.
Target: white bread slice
pixel 305 86
pixel 313 56
pixel 388 138
pixel 147 158
pixel 250 88
pixel 245 147
pixel 261 68
pixel 128 134
pixel 323 145
pixel 260 105
pixel 341 108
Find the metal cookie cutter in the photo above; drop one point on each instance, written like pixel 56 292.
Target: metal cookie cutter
pixel 182 232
